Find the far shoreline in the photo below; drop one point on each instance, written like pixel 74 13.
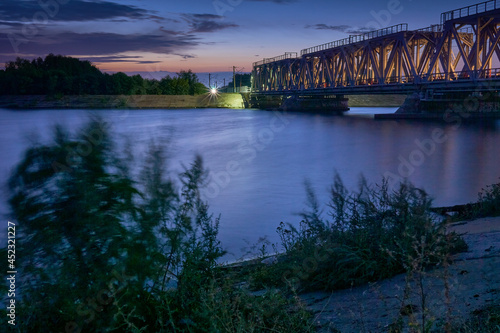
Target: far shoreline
pixel 221 100
pixel 40 102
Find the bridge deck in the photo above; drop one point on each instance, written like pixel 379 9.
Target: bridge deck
pixel 462 53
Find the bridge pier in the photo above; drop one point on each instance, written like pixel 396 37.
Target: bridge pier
pixel 479 102
pixel 459 102
pixel 301 102
pixel 265 102
pixel 439 104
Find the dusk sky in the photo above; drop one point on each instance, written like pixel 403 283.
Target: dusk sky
pixel 202 35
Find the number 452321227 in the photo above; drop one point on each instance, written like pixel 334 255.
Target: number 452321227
pixel 11 245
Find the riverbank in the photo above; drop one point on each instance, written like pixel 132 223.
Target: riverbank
pixel 224 100
pixel 233 101
pixel 461 290
pixel 468 285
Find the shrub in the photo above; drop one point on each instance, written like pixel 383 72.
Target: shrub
pixel 373 233
pixel 489 201
pixel 106 244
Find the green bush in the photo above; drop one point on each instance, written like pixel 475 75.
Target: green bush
pixel 373 233
pixel 485 320
pixel 106 243
pixel 489 201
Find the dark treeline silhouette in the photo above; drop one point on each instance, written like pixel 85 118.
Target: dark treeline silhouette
pixel 61 75
pixel 242 80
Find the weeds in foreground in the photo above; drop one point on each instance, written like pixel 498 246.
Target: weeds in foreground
pixel 489 201
pixel 372 234
pixel 103 249
pixel 106 246
pixel 485 320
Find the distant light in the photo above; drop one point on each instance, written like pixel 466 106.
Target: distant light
pixel 213 91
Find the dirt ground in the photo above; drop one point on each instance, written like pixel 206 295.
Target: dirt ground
pixel 470 283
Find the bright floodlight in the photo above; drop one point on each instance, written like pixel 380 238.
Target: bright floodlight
pixel 213 91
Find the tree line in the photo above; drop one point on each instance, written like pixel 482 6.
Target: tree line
pixel 62 75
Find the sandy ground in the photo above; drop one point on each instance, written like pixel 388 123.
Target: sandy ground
pixel 470 283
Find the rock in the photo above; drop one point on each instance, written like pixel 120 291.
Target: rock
pixel 411 104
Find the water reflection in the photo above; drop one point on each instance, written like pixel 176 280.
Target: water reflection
pixel 259 160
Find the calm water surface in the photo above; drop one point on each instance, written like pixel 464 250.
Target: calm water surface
pixel 259 160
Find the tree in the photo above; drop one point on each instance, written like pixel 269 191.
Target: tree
pixel 180 86
pixel 122 84
pixel 190 78
pixel 98 245
pixel 57 74
pixel 199 88
pixel 242 80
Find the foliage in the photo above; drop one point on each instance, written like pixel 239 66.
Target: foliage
pixel 60 75
pixel 489 201
pixel 238 311
pixel 485 320
pixel 242 80
pixel 372 234
pixel 106 245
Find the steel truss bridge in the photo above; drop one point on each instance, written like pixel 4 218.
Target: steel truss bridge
pixel 462 53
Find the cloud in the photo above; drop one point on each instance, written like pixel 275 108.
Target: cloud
pixel 340 28
pixel 97 44
pixel 108 59
pixel 206 16
pixel 112 58
pixel 143 62
pixel 276 1
pixel 207 23
pixel 74 10
pixel 186 56
pixel 11 24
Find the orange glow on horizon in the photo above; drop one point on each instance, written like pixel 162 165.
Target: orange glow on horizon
pixel 171 66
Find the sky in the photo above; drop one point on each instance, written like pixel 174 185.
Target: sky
pixel 201 35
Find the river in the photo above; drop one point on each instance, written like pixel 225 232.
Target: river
pixel 259 160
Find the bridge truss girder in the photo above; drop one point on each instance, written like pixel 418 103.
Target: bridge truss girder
pixel 464 48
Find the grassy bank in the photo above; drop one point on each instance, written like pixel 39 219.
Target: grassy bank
pixel 224 100
pixel 122 101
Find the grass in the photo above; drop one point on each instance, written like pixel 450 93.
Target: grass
pixel 372 234
pixel 485 320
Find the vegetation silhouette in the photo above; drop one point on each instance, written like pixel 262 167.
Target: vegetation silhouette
pixel 109 243
pixel 58 75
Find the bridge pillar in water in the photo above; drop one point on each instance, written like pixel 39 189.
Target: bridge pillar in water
pixel 301 102
pixel 265 102
pixel 477 103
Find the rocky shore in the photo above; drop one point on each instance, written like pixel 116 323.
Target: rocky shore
pixel 470 283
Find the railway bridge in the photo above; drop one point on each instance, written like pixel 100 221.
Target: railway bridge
pixel 455 60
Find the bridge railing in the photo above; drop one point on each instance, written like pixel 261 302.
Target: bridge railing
pixel 470 10
pixel 486 74
pixel 432 28
pixel 287 55
pixel 439 28
pixel 357 38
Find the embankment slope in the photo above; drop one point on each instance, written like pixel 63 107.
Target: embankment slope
pixel 234 101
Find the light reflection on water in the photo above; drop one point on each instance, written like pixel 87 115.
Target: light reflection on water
pixel 259 159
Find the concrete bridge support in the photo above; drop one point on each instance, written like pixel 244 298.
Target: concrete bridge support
pixel 473 103
pixel 301 103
